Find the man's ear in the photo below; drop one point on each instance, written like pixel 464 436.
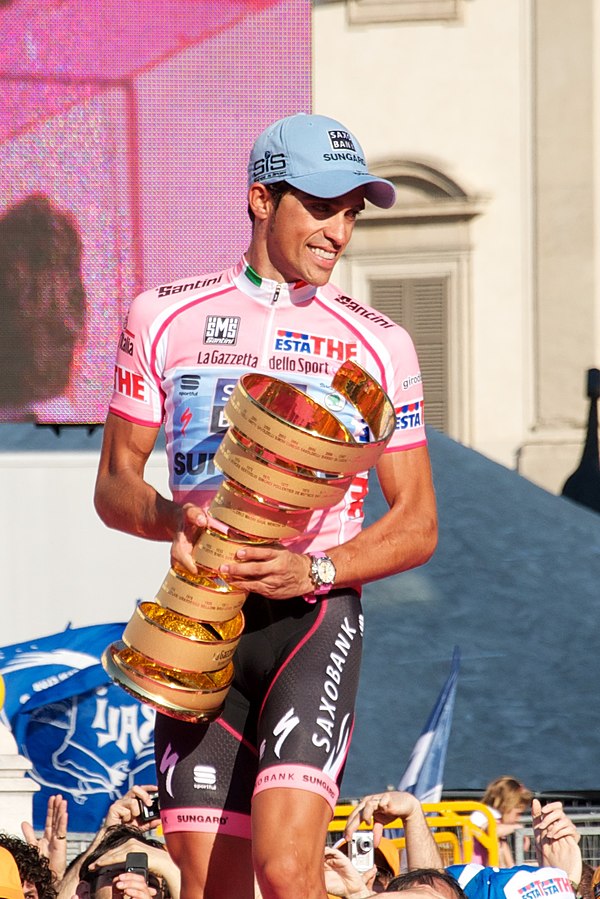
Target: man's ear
pixel 260 201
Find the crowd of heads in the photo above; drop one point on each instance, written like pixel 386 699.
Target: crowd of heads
pixel 27 872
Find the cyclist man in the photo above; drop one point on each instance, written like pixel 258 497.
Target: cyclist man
pixel 254 790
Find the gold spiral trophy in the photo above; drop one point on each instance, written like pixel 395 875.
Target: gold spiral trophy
pixel 283 456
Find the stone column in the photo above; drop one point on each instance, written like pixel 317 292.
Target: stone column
pixel 16 788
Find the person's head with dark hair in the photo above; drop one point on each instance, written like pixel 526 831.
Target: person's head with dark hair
pixel 42 298
pixel 428 880
pixel 99 877
pixel 36 877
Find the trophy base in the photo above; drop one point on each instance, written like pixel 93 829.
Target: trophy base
pixel 183 695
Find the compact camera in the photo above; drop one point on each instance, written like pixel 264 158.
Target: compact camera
pixel 361 851
pixel 138 863
pixel 150 812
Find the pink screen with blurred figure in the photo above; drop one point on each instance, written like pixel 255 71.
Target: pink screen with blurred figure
pixel 125 129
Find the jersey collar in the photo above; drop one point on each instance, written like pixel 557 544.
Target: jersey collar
pixel 270 292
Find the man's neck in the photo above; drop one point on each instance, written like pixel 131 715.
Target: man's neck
pixel 260 263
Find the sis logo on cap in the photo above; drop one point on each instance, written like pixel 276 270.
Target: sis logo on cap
pixel 269 165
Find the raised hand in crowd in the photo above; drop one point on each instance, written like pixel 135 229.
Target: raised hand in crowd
pixel 383 808
pixel 103 865
pixel 128 809
pixel 160 864
pixel 53 842
pixel 125 810
pixel 557 839
pixel 124 830
pixel 343 879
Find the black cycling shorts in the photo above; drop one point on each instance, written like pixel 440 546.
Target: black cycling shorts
pixel 287 720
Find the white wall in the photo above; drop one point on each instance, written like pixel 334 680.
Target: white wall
pixel 60 564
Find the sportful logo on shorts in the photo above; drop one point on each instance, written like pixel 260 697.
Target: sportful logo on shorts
pixel 221 329
pixel 205 777
pixel 341 140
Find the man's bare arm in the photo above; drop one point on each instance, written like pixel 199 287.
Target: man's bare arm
pixel 406 535
pixel 125 501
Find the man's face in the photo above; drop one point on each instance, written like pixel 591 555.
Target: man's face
pixel 101 886
pixel 307 235
pixel 30 890
pixel 104 886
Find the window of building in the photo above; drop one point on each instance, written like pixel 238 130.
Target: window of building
pixel 420 305
pixel 413 263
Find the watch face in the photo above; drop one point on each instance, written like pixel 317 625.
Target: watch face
pixel 325 570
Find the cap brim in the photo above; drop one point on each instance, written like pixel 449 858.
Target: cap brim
pixel 378 191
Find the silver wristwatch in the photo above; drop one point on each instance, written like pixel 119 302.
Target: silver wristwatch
pixel 322 573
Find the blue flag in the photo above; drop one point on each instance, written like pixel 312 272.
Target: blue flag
pixel 85 736
pixel 424 775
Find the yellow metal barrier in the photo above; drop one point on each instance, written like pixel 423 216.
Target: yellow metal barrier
pixel 452 828
pixel 449 847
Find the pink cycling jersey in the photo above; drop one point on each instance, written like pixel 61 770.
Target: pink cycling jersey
pixel 185 345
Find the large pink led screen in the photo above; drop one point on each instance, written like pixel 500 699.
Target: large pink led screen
pixel 125 128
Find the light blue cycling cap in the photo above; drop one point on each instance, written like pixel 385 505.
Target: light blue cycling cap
pixel 317 155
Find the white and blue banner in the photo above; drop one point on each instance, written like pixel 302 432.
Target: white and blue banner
pixel 424 775
pixel 85 737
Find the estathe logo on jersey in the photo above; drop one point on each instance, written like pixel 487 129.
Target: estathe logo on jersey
pixel 221 329
pixel 130 384
pixel 409 416
pixel 538 888
pixel 313 345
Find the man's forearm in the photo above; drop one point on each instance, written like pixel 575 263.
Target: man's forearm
pixel 406 535
pixel 421 848
pixel 123 498
pixel 129 504
pixel 383 549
